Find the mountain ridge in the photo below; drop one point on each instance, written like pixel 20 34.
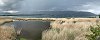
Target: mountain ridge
pixel 55 14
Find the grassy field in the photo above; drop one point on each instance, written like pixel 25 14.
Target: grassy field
pixel 61 29
pixel 68 31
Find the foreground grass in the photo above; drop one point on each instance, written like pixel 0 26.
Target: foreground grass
pixel 68 31
pixel 7 33
pixel 59 31
pixel 64 34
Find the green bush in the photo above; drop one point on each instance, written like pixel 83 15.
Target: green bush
pixel 95 33
pixel 23 39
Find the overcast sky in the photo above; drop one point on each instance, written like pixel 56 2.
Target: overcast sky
pixel 60 5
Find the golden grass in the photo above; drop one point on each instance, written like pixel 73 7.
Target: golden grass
pixel 7 33
pixel 64 34
pixel 62 28
pixel 68 31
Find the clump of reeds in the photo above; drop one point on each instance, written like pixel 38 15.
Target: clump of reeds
pixel 7 33
pixel 64 34
pixel 68 31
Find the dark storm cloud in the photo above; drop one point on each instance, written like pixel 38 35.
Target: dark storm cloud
pixel 60 5
pixel 6 5
pixel 50 5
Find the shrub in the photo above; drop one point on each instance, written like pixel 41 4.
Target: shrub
pixel 95 33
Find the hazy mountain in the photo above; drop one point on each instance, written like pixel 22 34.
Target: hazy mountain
pixel 56 14
pixel 62 14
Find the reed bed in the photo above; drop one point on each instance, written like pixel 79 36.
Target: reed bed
pixel 68 31
pixel 7 33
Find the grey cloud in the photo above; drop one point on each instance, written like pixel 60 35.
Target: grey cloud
pixel 55 5
pixel 28 6
pixel 9 4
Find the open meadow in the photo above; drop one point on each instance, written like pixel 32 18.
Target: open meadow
pixel 60 29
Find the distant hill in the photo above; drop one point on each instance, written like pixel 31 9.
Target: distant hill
pixel 62 14
pixel 55 14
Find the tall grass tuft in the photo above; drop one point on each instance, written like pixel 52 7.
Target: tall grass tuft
pixel 68 31
pixel 7 33
pixel 64 34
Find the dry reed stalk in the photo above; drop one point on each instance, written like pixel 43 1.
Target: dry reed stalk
pixel 68 31
pixel 7 33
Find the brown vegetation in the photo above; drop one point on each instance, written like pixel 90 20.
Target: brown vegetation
pixel 7 33
pixel 63 30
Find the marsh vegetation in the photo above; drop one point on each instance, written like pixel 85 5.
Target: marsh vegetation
pixel 59 30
